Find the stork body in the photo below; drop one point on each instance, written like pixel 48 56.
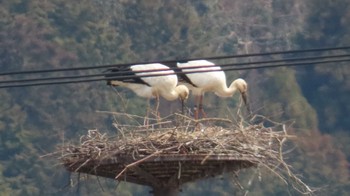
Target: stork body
pixel 212 81
pixel 135 78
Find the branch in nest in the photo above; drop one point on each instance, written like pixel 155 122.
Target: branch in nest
pixel 253 143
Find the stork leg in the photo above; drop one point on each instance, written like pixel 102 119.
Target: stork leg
pixel 157 109
pixel 200 108
pixel 197 98
pixel 146 119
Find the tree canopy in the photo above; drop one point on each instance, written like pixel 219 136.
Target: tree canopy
pixel 59 33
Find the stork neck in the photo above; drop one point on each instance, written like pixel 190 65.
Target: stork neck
pixel 227 92
pixel 170 96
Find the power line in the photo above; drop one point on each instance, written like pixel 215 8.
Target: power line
pixel 288 65
pixel 280 52
pixel 175 69
pixel 172 61
pixel 198 71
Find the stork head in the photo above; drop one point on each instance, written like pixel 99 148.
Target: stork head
pixel 242 86
pixel 183 92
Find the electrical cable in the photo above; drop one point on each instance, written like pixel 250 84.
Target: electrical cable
pixel 197 71
pixel 172 61
pixel 175 69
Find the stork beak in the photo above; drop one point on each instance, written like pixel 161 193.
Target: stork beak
pixel 182 106
pixel 245 100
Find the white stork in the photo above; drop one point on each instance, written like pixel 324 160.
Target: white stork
pixel 151 86
pixel 213 81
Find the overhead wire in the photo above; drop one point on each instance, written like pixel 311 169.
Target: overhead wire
pixel 177 60
pixel 177 70
pixel 131 74
pixel 224 68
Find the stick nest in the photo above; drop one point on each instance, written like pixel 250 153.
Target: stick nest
pixel 251 145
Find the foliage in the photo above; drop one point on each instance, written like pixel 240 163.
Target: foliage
pixel 327 25
pixel 59 33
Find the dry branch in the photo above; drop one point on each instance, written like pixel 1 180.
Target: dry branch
pixel 146 150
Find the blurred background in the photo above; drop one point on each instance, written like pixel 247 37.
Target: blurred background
pixel 38 34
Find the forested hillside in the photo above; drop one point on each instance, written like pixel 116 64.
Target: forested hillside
pixel 39 34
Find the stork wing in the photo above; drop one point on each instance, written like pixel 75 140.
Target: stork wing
pixel 128 75
pixel 179 72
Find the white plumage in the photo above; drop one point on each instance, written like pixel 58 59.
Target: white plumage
pixel 213 81
pixel 149 87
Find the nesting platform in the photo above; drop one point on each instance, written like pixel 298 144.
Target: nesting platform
pixel 163 170
pixel 166 158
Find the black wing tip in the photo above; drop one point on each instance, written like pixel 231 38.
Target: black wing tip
pixel 182 61
pixel 108 75
pixel 109 70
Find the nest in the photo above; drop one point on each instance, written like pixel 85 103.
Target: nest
pixel 170 155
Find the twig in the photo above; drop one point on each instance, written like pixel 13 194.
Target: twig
pixel 137 162
pixel 255 144
pixel 206 157
pixel 76 170
pixel 124 114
